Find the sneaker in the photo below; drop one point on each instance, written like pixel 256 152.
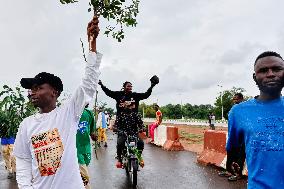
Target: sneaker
pixel 224 174
pixel 118 164
pixel 10 176
pixel 234 178
pixel 142 163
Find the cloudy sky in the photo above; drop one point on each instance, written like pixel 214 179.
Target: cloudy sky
pixel 193 46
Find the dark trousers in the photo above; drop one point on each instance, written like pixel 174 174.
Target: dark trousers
pixel 121 139
pixel 238 156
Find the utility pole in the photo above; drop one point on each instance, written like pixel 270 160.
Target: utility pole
pixel 222 101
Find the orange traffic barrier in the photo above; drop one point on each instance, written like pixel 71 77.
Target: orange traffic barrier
pixel 172 143
pixel 214 151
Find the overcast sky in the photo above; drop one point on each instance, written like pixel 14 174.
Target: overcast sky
pixel 193 46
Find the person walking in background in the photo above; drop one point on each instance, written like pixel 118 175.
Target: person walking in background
pixel 107 119
pixel 101 127
pixel 209 119
pixel 158 121
pixel 86 129
pixel 237 156
pixel 212 121
pixel 258 123
pixel 7 144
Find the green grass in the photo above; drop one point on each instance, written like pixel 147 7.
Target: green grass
pixel 195 142
pixel 192 138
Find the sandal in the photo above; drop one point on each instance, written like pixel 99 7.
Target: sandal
pixel 234 178
pixel 224 174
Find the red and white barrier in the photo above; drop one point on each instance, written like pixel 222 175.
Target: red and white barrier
pixel 160 135
pixel 172 143
pixel 168 138
pixel 214 151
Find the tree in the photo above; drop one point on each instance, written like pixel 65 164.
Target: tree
pixel 14 107
pixel 196 111
pixel 148 110
pixel 110 110
pixel 103 106
pixel 120 12
pixel 226 101
pixel 172 111
pixel 176 111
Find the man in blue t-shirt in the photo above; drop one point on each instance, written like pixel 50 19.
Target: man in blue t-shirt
pixel 259 124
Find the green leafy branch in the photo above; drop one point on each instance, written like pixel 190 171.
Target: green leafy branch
pixel 121 12
pixel 13 109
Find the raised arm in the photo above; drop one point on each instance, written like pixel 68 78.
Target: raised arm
pixel 111 94
pixel 154 81
pixel 141 96
pixel 88 86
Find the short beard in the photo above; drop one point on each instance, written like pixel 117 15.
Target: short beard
pixel 270 90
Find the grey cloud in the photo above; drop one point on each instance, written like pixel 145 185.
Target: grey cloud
pixel 239 55
pixel 191 45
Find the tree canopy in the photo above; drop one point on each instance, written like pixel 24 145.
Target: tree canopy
pixel 176 111
pixel 187 111
pixel 14 107
pixel 227 101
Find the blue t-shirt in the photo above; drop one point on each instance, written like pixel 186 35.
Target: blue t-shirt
pixel 104 125
pixel 260 125
pixel 5 141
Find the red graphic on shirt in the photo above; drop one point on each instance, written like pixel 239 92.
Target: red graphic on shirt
pixel 48 150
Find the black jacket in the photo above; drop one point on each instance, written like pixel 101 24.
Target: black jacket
pixel 126 102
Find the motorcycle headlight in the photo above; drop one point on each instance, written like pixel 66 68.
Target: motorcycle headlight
pixel 132 144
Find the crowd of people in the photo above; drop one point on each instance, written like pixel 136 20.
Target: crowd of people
pixel 52 148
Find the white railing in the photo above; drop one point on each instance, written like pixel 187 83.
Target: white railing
pixel 189 122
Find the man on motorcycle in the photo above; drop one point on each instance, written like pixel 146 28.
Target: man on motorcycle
pixel 128 119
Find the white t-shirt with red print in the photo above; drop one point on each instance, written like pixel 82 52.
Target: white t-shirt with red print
pixel 48 140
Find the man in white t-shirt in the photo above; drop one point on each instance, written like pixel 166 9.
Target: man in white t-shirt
pixel 45 146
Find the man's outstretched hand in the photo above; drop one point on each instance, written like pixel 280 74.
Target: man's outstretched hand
pixel 93 32
pixel 100 82
pixel 154 80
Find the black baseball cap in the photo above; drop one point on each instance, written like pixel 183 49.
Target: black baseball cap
pixel 43 78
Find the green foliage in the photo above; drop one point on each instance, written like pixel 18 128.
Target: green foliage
pixel 226 101
pixel 148 110
pixel 176 111
pixel 121 12
pixel 192 138
pixel 196 111
pixel 13 109
pixel 109 110
pixel 103 106
pixel 68 1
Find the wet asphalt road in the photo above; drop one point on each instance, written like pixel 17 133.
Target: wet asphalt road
pixel 163 170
